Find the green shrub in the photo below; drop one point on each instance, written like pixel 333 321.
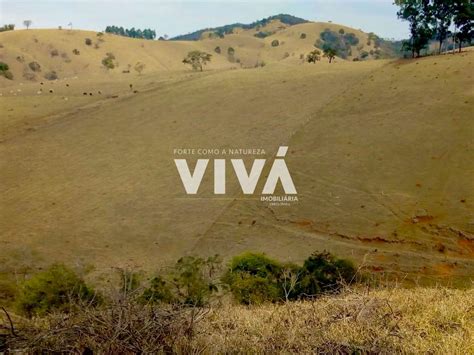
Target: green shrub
pixel 248 289
pixel 57 288
pixel 159 291
pixel 88 41
pixel 230 51
pixel 253 278
pixel 54 53
pixel 4 71
pixel 341 31
pixel 191 282
pixel 76 51
pixel 7 289
pixel 364 54
pixel 108 61
pixel 303 36
pixel 263 34
pixel 193 278
pixel 217 50
pixel 275 43
pixel 322 272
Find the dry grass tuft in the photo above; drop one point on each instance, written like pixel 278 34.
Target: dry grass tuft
pixel 418 320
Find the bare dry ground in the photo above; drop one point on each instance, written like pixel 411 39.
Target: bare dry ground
pixel 381 154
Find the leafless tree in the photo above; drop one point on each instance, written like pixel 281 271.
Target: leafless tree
pixel 27 23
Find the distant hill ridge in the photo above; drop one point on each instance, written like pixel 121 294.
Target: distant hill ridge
pixel 222 30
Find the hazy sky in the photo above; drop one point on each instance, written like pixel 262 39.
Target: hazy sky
pixel 179 17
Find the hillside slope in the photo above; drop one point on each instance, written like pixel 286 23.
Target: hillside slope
pixel 39 55
pixel 380 153
pixel 384 170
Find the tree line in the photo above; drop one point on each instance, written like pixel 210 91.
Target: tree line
pixel 433 20
pixel 147 33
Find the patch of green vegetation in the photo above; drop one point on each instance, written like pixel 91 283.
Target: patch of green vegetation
pixel 228 29
pixel 5 72
pixel 262 34
pixel 197 59
pixel 255 278
pixel 108 61
pixel 56 288
pixel 340 42
pixel 192 282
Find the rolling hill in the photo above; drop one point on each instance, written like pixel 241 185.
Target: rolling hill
pixel 38 55
pixel 379 151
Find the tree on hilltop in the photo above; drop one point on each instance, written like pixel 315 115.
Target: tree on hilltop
pixel 27 23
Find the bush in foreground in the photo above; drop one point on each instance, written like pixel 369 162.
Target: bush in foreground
pixel 255 278
pixel 54 289
pixel 191 282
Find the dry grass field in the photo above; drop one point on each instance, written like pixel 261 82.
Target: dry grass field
pixel 380 151
pixel 358 321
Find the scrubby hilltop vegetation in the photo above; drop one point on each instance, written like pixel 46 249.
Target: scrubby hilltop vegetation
pixel 228 29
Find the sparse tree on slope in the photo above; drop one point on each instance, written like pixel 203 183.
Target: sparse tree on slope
pixel 314 56
pixel 27 23
pixel 330 53
pixel 197 59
